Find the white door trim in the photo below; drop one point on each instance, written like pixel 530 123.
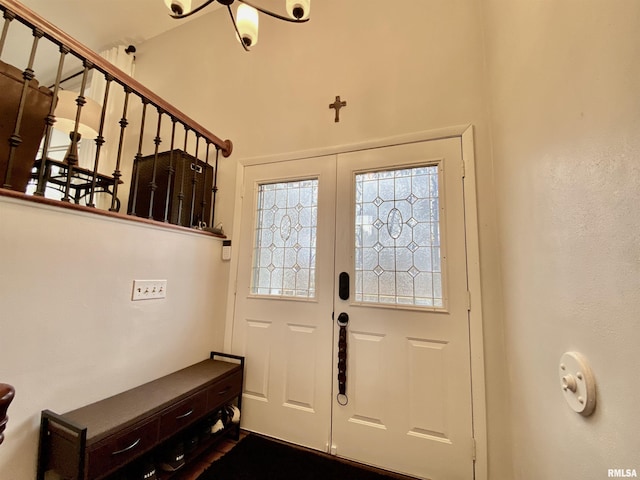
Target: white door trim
pixel 448 132
pixel 466 135
pixel 478 392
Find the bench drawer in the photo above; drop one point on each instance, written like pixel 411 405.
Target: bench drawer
pixel 224 390
pixel 183 414
pixel 121 448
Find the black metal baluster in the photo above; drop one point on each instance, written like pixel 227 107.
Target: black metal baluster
pixel 8 16
pixel 203 202
pixel 214 190
pixel 15 140
pixel 100 139
pixel 194 181
pixel 51 119
pixel 183 173
pixel 153 186
pixel 170 171
pixel 115 203
pixel 72 157
pixel 136 176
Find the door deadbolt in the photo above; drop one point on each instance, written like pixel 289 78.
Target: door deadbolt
pixel 343 286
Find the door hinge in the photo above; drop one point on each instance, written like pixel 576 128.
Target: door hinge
pixel 473 449
pixel 468 301
pixel 464 169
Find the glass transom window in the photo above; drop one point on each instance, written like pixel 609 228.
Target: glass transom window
pixel 285 241
pixel 397 237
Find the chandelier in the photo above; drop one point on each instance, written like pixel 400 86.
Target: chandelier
pixel 245 21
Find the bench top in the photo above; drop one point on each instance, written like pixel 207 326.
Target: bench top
pixel 141 402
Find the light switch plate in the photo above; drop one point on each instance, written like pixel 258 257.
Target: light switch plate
pixel 226 250
pixel 149 289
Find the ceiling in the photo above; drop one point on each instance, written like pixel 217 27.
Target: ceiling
pixel 100 24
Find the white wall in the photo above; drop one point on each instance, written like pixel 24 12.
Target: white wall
pixel 70 333
pixel 565 79
pixel 413 68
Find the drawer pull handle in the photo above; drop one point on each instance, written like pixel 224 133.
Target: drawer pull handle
pixel 133 445
pixel 184 415
pixel 223 392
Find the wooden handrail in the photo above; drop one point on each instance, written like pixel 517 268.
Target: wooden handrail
pixel 7 393
pixel 56 35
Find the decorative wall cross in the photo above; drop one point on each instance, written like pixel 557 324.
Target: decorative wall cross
pixel 337 105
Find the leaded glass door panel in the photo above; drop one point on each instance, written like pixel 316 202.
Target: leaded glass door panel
pixel 397 237
pixel 285 240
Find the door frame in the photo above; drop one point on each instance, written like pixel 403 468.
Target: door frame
pixel 466 135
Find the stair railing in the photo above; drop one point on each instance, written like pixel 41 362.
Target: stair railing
pixel 176 186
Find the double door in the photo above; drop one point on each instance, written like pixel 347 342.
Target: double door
pixel 351 307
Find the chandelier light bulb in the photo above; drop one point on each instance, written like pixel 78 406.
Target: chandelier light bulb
pixel 299 9
pixel 178 7
pixel 247 23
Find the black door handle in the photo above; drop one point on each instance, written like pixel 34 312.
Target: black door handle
pixel 343 320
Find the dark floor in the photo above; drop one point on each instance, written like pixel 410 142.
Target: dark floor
pixel 194 469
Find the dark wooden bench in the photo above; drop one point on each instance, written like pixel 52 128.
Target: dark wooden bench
pixel 94 441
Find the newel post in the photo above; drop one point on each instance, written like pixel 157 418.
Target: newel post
pixel 7 393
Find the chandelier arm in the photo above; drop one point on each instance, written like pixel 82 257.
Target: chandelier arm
pixel 233 21
pixel 273 14
pixel 195 10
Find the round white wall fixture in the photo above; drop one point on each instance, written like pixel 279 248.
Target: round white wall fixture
pixel 578 383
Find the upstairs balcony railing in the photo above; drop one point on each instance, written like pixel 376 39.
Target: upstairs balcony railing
pixel 77 130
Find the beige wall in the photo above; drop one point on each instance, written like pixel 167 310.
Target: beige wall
pixel 414 68
pixel 70 333
pixel 564 78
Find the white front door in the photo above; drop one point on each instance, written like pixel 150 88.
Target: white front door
pixel 391 221
pixel 401 240
pixel 284 299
